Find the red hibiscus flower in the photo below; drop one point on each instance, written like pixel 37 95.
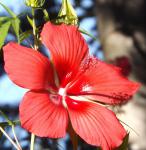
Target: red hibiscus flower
pixel 75 86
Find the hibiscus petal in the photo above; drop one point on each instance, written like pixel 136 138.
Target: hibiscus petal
pixel 67 48
pixel 27 68
pixel 95 124
pixel 39 115
pixel 102 82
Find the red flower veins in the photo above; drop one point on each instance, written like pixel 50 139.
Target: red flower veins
pixel 75 86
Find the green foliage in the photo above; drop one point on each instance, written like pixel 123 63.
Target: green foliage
pixel 46 15
pixel 35 3
pixel 87 33
pixel 30 20
pixel 4 19
pixel 25 35
pixel 16 27
pixel 124 145
pixel 4 31
pixel 6 118
pixel 13 20
pixel 7 123
pixel 4 124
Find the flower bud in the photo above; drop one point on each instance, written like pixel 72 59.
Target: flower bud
pixel 67 14
pixel 34 3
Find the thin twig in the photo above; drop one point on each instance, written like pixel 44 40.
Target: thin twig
pixel 8 137
pixel 16 139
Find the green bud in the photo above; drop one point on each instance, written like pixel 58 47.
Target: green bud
pixel 67 14
pixel 35 3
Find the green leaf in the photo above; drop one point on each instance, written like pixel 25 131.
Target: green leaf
pixel 3 19
pixel 46 15
pixel 8 10
pixel 30 20
pixel 87 33
pixel 25 35
pixel 16 27
pixel 4 28
pixel 14 21
pixel 124 145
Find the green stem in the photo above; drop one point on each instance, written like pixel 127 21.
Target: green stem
pixel 17 122
pixel 34 30
pixel 32 141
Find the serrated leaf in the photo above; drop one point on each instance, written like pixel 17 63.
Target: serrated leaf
pixel 4 28
pixel 16 27
pixel 25 35
pixel 8 10
pixel 124 145
pixel 87 33
pixel 30 20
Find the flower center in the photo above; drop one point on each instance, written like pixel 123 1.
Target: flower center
pixel 56 99
pixel 59 98
pixel 62 92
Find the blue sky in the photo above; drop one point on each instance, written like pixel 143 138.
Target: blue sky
pixel 16 6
